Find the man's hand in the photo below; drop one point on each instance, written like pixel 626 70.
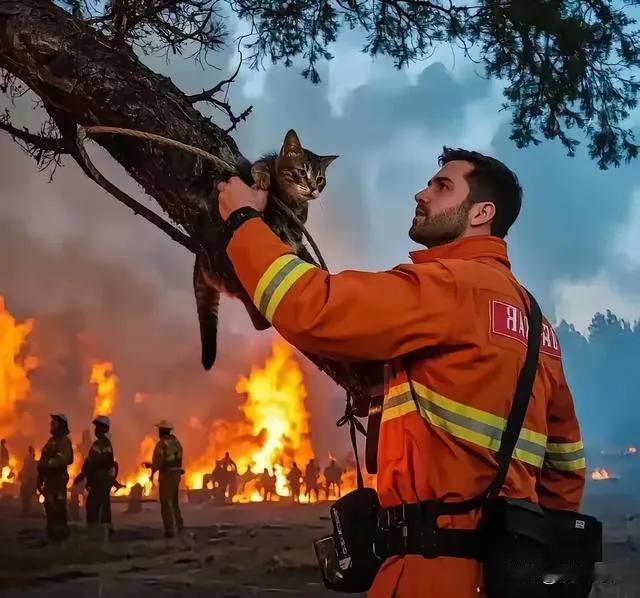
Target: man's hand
pixel 236 194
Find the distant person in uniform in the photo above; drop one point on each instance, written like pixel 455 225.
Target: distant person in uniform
pixel 266 485
pixel 333 477
pixel 294 478
pixel 55 457
pixel 167 461
pixel 311 473
pixel 230 481
pixel 28 482
pixel 98 471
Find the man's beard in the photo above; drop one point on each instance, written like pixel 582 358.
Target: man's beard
pixel 439 229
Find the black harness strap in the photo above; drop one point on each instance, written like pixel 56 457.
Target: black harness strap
pixel 412 528
pixel 354 424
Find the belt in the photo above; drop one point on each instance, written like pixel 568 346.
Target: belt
pixel 412 529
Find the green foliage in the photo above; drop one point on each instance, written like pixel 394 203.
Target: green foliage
pixel 568 64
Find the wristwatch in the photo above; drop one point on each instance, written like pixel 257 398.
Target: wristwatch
pixel 239 217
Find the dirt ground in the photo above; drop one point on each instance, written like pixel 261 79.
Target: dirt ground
pixel 235 551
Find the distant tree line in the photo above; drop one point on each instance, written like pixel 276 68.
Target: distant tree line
pixel 603 370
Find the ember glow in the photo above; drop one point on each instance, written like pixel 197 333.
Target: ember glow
pixel 274 430
pixel 600 473
pixel 106 381
pixel 14 368
pixel 8 474
pixel 632 450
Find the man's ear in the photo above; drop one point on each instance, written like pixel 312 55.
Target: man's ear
pixel 482 212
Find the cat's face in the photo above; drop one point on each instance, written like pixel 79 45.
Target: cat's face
pixel 301 174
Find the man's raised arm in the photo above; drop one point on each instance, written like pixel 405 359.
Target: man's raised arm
pixel 351 315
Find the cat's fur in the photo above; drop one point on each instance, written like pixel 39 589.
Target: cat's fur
pixel 295 176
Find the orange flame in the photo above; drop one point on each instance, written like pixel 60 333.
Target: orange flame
pixel 632 450
pixel 14 371
pixel 102 375
pixel 274 431
pixel 600 473
pixel 142 475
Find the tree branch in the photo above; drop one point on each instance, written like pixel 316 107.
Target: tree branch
pixel 46 144
pixel 208 95
pixel 81 156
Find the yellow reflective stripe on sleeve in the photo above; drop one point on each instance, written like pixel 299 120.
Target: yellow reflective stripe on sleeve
pixel 567 465
pixel 564 447
pixel 274 284
pixel 565 456
pixel 462 421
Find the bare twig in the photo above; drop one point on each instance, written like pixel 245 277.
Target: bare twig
pixel 208 95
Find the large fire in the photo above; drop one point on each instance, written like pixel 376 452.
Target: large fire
pixel 102 375
pixel 14 370
pixel 274 432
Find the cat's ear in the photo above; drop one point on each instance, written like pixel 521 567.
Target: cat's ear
pixel 291 146
pixel 326 160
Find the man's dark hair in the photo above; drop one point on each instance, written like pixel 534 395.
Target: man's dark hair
pixel 490 180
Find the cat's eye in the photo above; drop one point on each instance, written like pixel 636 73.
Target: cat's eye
pixel 301 171
pixel 320 180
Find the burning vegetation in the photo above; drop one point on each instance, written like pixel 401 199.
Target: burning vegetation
pixel 265 452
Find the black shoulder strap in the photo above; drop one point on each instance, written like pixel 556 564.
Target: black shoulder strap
pixel 524 389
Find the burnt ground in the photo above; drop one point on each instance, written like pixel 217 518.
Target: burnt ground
pixel 237 551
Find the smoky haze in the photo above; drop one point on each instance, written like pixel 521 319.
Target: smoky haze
pixel 104 285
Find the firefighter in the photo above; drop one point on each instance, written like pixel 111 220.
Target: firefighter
pixel 98 471
pixel 451 329
pixel 311 474
pixel 294 477
pixel 167 461
pixel 28 481
pixel 266 485
pixel 55 457
pixel 229 477
pixel 333 477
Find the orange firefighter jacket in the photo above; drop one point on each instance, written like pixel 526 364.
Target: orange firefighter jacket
pixel 459 312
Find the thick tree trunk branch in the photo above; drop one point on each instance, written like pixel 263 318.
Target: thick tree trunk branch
pixel 85 80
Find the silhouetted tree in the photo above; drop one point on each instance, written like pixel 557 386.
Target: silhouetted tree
pixel 604 374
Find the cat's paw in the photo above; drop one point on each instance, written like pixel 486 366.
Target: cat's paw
pixel 261 176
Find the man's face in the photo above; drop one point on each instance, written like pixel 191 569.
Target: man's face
pixel 442 213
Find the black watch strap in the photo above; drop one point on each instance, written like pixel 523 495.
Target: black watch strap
pixel 239 217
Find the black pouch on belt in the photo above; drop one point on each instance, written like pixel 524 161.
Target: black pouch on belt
pixel 346 558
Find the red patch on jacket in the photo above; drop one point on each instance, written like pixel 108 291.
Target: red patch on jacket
pixel 511 321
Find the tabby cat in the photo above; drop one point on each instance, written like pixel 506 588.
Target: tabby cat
pixel 295 176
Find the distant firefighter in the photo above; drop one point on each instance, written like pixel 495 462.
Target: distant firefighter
pixel 267 485
pixel 56 456
pixel 28 481
pixel 98 470
pixel 294 479
pixel 167 460
pixel 333 477
pixel 225 477
pixel 311 474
